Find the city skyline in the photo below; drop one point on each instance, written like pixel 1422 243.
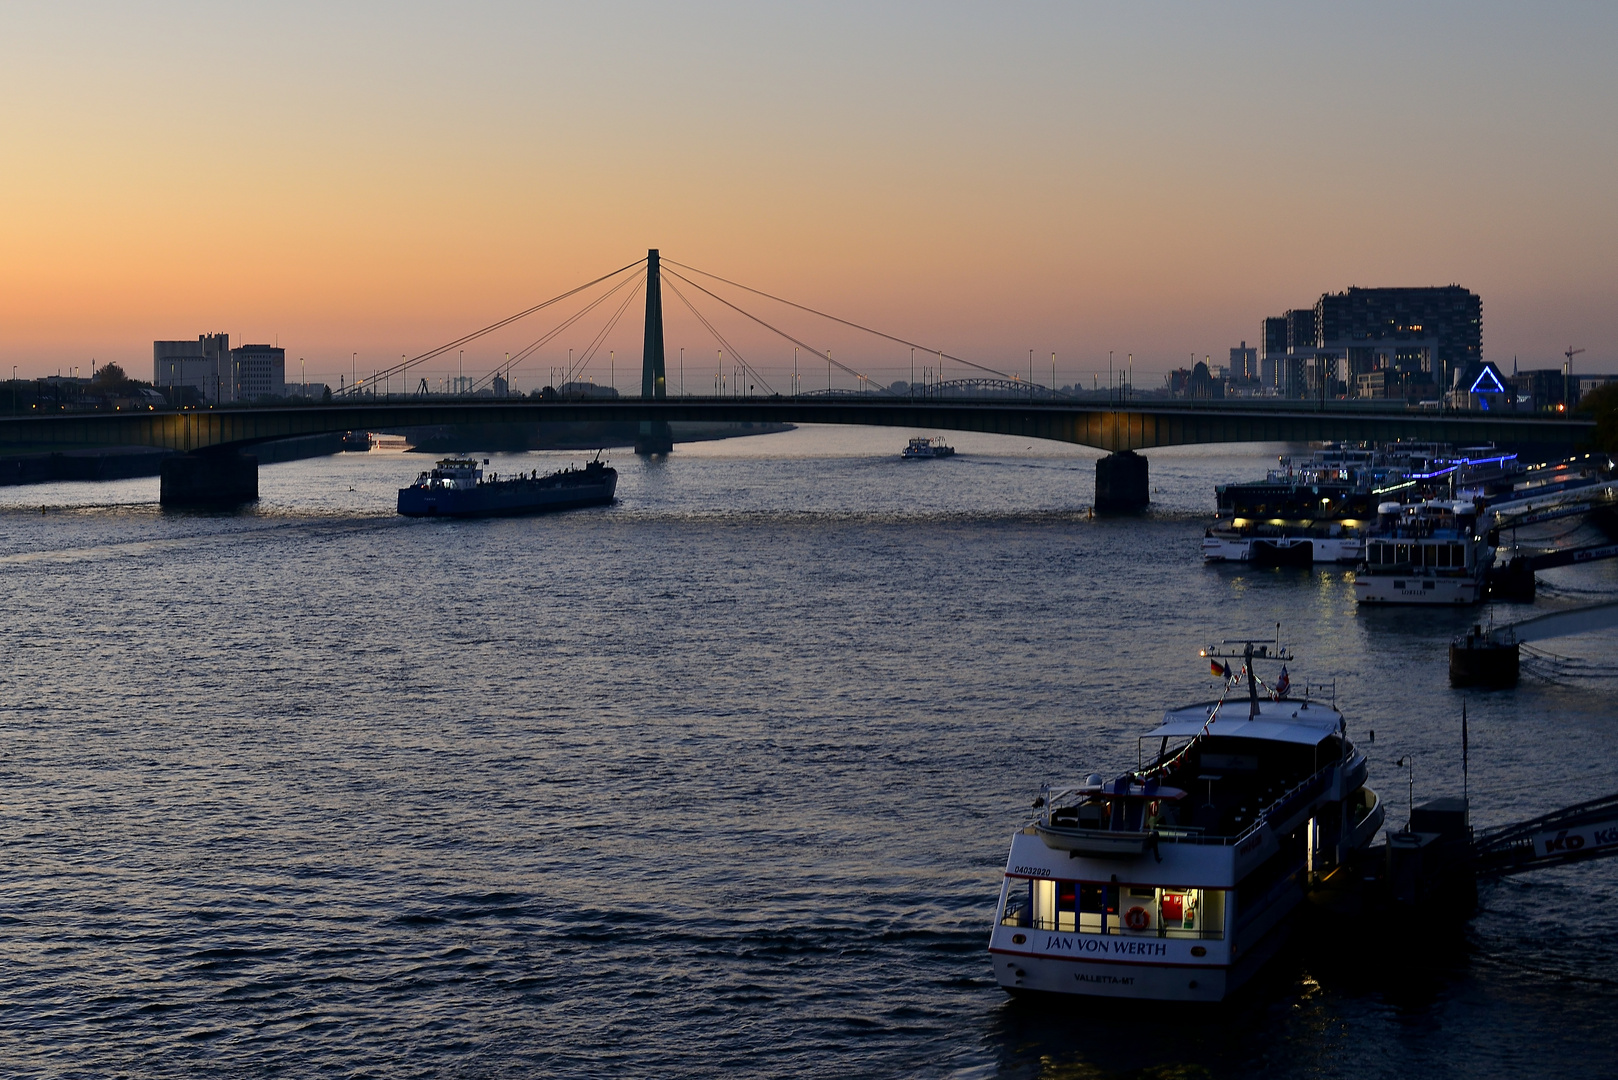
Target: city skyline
pixel 1072 180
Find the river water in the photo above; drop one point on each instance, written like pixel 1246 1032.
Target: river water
pixel 718 779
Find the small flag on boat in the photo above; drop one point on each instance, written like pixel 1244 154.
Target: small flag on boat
pixel 1284 683
pixel 1216 668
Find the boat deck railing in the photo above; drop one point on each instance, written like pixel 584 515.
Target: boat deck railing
pixel 1279 808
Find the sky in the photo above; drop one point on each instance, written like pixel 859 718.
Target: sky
pixel 357 182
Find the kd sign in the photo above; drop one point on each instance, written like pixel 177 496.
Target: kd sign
pixel 1567 841
pixel 1561 842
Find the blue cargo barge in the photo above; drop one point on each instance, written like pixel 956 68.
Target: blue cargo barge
pixel 457 488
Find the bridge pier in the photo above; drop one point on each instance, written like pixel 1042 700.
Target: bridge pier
pixel 1122 482
pixel 654 438
pixel 209 478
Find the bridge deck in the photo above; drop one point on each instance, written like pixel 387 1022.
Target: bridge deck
pixel 1136 425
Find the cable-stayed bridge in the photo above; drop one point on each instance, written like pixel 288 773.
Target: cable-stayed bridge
pixel 213 440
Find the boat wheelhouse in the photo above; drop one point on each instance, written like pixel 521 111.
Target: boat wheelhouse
pixel 1425 553
pixel 451 474
pixel 1178 880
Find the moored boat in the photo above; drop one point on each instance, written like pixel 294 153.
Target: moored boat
pixel 1317 508
pixel 1430 552
pixel 1177 881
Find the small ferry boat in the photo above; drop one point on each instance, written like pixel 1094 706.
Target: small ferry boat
pixel 357 440
pixel 456 487
pixel 1176 881
pixel 926 448
pixel 1430 552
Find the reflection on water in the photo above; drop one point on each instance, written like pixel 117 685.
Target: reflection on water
pixel 718 778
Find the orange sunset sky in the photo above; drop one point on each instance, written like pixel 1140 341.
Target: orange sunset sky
pixel 992 179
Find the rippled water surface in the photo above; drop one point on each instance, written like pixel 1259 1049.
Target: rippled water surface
pixel 720 778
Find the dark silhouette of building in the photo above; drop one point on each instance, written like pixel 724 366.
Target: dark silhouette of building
pixel 1426 337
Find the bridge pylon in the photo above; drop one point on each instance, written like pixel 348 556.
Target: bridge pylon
pixel 655 436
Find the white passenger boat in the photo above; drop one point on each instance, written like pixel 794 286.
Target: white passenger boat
pixel 1425 553
pixel 921 448
pixel 1178 880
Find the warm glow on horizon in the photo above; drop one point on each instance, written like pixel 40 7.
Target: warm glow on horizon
pixel 381 179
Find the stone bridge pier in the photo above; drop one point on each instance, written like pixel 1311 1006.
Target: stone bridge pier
pixel 1122 482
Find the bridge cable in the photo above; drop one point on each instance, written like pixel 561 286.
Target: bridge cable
pixel 813 351
pixel 406 365
pixel 718 336
pixel 595 346
pixel 528 350
pixel 845 322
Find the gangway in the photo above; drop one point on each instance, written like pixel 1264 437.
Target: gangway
pixel 1435 863
pixel 1547 560
pixel 1491 657
pixel 1579 833
pixel 1514 580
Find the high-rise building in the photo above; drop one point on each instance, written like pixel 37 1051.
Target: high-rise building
pixel 1273 351
pixel 260 371
pixel 1434 331
pixel 1427 336
pixel 1244 363
pixel 1300 330
pixel 203 365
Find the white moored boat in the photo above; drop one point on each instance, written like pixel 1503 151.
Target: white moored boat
pixel 1425 553
pixel 1178 880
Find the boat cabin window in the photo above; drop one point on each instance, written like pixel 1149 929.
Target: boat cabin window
pixel 1105 908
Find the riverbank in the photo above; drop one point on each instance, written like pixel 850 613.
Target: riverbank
pixel 47 464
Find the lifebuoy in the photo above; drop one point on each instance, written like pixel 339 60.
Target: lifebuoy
pixel 1137 918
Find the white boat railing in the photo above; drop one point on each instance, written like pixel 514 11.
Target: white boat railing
pixel 1191 834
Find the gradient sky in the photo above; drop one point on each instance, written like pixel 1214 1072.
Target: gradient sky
pixel 994 178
